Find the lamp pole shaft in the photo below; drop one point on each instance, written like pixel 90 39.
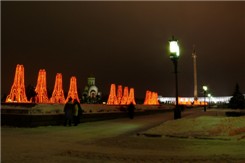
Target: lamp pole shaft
pixel 177 112
pixel 204 101
pixel 209 102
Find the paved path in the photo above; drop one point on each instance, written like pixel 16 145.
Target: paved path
pixel 103 141
pixel 25 144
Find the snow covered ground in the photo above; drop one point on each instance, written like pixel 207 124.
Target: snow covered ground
pixel 204 126
pixel 197 137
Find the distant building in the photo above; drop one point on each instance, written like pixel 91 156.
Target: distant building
pixel 91 94
pixel 220 99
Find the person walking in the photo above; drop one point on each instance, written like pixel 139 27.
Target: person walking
pixel 77 112
pixel 68 110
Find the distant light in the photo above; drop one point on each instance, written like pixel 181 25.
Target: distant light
pixel 174 47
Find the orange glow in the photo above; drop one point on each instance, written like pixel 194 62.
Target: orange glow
pixel 131 97
pixel 119 93
pixel 112 100
pixel 147 97
pixel 73 89
pixel 184 101
pixel 41 88
pixel 126 99
pixel 17 92
pixel 151 98
pixel 125 96
pixel 58 93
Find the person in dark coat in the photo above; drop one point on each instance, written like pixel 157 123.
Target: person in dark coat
pixel 68 110
pixel 131 109
pixel 77 112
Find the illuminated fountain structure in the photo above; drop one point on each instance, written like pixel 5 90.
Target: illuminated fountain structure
pixel 118 99
pixel 151 98
pixel 155 98
pixel 125 96
pixel 18 93
pixel 41 88
pixel 73 90
pixel 147 97
pixel 112 100
pixel 131 97
pixel 119 93
pixel 58 93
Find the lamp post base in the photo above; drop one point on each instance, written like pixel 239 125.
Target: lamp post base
pixel 177 113
pixel 205 108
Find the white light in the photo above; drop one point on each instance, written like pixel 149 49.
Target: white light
pixel 174 47
pixel 205 88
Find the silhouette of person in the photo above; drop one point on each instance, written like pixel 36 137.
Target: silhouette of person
pixel 131 109
pixel 68 110
pixel 77 112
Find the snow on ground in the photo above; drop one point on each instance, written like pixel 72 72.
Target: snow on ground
pixel 212 127
pixel 198 137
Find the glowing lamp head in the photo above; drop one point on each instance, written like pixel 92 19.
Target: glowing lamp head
pixel 209 95
pixel 174 48
pixel 205 88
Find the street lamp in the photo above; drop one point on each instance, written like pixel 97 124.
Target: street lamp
pixel 205 88
pixel 209 96
pixel 174 56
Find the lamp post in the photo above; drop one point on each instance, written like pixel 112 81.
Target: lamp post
pixel 174 56
pixel 205 88
pixel 209 96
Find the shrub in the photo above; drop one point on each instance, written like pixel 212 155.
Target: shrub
pixel 237 101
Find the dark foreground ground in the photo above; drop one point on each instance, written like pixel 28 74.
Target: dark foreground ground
pixel 117 140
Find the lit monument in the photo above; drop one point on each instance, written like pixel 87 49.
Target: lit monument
pixel 17 92
pixel 195 73
pixel 151 98
pixel 119 93
pixel 147 97
pixel 112 100
pixel 41 88
pixel 131 97
pixel 125 96
pixel 58 93
pixel 126 99
pixel 73 90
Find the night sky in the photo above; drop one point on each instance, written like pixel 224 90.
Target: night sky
pixel 125 43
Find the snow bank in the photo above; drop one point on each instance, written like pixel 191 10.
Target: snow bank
pixel 206 127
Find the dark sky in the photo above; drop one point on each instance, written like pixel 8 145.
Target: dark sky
pixel 125 43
